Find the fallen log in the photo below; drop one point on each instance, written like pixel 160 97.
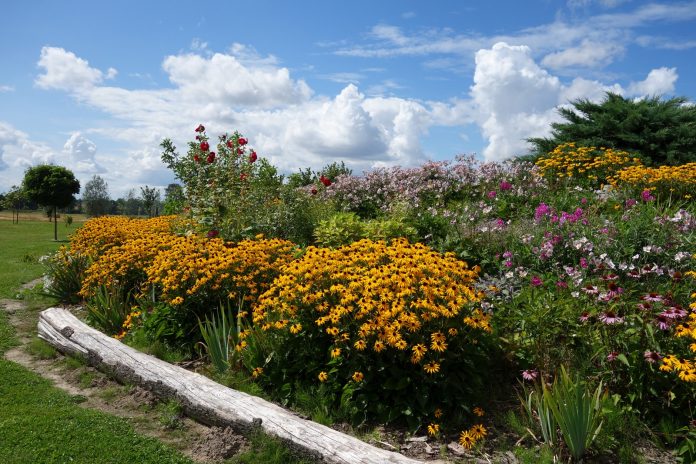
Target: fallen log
pixel 202 398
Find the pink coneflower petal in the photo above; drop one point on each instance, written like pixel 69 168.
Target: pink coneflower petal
pixel 530 374
pixel 652 356
pixel 610 317
pixel 662 322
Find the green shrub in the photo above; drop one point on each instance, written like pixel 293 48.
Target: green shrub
pixel 108 308
pixel 64 272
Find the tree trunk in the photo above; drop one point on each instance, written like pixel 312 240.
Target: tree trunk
pixel 55 224
pixel 203 399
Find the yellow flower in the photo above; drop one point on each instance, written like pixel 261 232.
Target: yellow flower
pixel 323 376
pixel 433 429
pixel 296 328
pixel 479 412
pixel 257 372
pixel 438 413
pixel 360 345
pixel 432 367
pixel 478 431
pixel 378 346
pixel 466 440
pixel 358 376
pixel 336 352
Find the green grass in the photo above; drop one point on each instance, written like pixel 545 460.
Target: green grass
pixel 40 424
pixel 268 450
pixel 21 246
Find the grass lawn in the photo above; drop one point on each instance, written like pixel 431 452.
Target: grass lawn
pixel 21 246
pixel 39 423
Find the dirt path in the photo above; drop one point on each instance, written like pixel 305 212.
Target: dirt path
pixel 96 391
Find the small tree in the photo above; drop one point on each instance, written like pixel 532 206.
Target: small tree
pixel 96 200
pixel 151 198
pixel 173 199
pixel 14 200
pixel 52 186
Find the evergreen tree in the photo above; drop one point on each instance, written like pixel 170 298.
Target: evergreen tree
pixel 659 131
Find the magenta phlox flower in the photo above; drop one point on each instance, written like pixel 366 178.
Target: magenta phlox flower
pixel 536 281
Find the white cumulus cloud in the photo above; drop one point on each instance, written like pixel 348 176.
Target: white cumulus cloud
pixel 659 82
pixel 63 70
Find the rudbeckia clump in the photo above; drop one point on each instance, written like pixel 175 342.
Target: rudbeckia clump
pixel 401 315
pixel 684 366
pixel 198 270
pixel 589 165
pixel 99 234
pixel 679 181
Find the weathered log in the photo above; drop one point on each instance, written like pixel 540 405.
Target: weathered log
pixel 202 398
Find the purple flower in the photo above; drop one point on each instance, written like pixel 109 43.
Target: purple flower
pixel 583 201
pixel 583 263
pixel 610 317
pixel 646 196
pixel 504 185
pixel 536 281
pixel 662 322
pixel 561 284
pixel 491 194
pixel 585 316
pixel 213 233
pixel 652 356
pixel 590 289
pixel 630 202
pixel 530 374
pixel 542 210
pixel 507 255
pixel 507 263
pixel 654 297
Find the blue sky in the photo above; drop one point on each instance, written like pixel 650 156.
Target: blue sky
pixel 95 86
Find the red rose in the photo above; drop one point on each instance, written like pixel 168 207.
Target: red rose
pixel 200 128
pixel 314 191
pixel 325 181
pixel 230 144
pixel 205 146
pixel 211 157
pixel 252 156
pixel 240 150
pixel 243 177
pixel 242 141
pixel 196 158
pixel 198 137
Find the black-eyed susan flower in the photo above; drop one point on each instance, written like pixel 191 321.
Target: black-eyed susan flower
pixel 323 376
pixel 431 367
pixel 466 440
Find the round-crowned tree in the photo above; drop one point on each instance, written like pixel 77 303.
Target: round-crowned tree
pixel 52 186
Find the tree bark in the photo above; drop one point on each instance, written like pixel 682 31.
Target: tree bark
pixel 203 399
pixel 55 224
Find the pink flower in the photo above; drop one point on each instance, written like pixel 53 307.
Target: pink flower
pixel 646 196
pixel 491 194
pixel 662 322
pixel 610 317
pixel 583 201
pixel 507 264
pixel 584 317
pixel 590 289
pixel 654 297
pixel 652 356
pixel 630 202
pixel 612 356
pixel 213 233
pixel 583 263
pixel 505 185
pixel 536 281
pixel 561 284
pixel 530 374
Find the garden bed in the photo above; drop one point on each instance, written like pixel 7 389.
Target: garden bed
pixel 201 398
